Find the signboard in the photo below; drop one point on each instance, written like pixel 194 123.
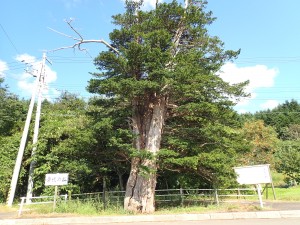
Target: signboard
pixel 259 174
pixel 56 179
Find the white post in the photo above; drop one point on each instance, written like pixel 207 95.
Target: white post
pixel 16 172
pixel 273 189
pixel 55 197
pixel 217 197
pixel 21 206
pixel 36 130
pixel 66 197
pixel 258 188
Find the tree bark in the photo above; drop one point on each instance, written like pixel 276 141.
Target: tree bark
pixel 140 189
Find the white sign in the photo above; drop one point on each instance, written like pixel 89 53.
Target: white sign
pixel 259 174
pixel 56 179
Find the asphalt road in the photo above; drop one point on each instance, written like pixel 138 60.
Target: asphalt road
pixel 283 205
pixel 288 221
pixel 7 215
pixel 289 207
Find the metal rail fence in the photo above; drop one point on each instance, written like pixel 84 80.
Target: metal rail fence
pixel 163 198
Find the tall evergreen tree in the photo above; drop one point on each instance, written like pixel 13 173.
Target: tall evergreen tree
pixel 165 65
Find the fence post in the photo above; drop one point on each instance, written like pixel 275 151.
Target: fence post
pixel 258 188
pixel 55 197
pixel 217 197
pixel 181 196
pixel 21 206
pixel 66 197
pixel 104 193
pixel 70 195
pixel 273 189
pixel 239 193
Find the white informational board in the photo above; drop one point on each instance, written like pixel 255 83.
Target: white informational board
pixel 56 179
pixel 259 174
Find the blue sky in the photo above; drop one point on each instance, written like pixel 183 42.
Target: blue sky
pixel 266 31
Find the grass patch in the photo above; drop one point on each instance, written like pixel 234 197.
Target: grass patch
pixel 92 208
pixel 186 209
pixel 224 207
pixel 4 208
pixel 288 194
pixel 77 208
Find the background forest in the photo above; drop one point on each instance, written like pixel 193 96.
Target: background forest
pixel 92 142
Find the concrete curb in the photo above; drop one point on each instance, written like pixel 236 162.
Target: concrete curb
pixel 154 218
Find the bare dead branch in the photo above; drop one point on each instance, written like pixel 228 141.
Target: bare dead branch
pixel 165 87
pixel 211 143
pixel 172 106
pixel 79 43
pixel 61 48
pixel 69 23
pixel 99 41
pixel 79 40
pixel 68 36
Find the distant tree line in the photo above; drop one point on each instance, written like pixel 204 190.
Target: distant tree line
pixel 92 142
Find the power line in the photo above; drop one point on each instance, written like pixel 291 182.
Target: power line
pixel 11 42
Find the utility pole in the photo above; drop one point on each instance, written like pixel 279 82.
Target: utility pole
pixel 36 129
pixel 17 167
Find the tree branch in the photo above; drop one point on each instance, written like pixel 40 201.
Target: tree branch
pixel 211 143
pixel 69 23
pixel 68 36
pixel 80 40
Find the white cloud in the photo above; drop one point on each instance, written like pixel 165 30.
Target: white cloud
pixel 25 58
pixel 3 68
pixel 27 81
pixel 50 77
pixel 270 104
pixel 26 86
pixel 148 4
pixel 259 76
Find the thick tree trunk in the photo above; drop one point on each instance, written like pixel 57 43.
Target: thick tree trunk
pixel 147 125
pixel 140 189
